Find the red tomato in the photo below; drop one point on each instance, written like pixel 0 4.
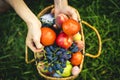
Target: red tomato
pixel 48 36
pixel 76 58
pixel 63 40
pixel 71 27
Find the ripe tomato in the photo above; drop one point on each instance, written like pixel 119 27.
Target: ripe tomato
pixel 64 40
pixel 76 58
pixel 71 27
pixel 48 36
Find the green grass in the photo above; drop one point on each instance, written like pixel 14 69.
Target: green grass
pixel 104 15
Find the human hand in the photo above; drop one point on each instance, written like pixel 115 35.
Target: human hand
pixel 33 36
pixel 67 10
pixel 61 6
pixel 33 24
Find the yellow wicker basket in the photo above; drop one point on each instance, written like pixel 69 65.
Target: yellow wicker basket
pixel 36 55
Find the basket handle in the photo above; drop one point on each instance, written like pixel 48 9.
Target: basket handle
pixel 99 40
pixel 26 56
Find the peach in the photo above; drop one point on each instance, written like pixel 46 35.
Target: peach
pixel 60 19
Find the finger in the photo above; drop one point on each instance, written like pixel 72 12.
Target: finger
pixel 38 45
pixel 38 50
pixel 53 11
pixel 37 42
pixel 71 12
pixel 31 45
pixel 33 48
pixel 73 15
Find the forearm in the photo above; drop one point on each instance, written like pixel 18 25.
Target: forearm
pixel 60 4
pixel 23 11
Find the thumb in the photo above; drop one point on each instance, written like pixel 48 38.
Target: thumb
pixel 72 13
pixel 38 44
pixel 75 17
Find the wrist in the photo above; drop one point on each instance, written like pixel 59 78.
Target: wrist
pixel 32 20
pixel 60 4
pixel 34 23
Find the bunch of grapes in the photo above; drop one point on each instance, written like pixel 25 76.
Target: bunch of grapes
pixel 56 57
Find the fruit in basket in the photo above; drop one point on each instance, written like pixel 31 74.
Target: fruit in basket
pixel 48 36
pixel 74 48
pixel 63 40
pixel 60 19
pixel 56 75
pixel 71 27
pixel 76 58
pixel 77 37
pixel 67 70
pixel 47 20
pixel 80 44
pixel 56 57
pixel 75 70
pixel 41 67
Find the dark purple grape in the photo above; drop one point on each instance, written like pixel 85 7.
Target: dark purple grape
pixel 63 65
pixel 52 48
pixel 68 56
pixel 61 49
pixel 75 49
pixel 47 54
pixel 50 69
pixel 64 52
pixel 62 60
pixel 73 45
pixel 54 67
pixel 55 58
pixel 64 56
pixel 49 58
pixel 58 66
pixel 58 52
pixel 61 70
pixel 48 51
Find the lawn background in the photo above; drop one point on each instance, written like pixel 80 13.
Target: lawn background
pixel 103 14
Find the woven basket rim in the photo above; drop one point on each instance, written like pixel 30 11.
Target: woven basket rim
pixel 45 10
